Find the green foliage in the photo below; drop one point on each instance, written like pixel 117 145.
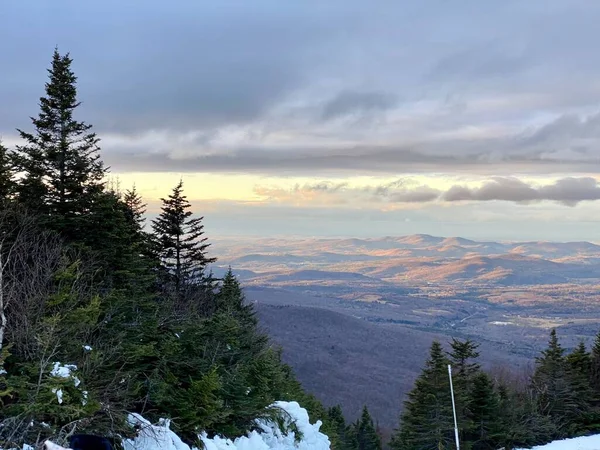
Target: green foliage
pixel 486 429
pixel 60 164
pixel 367 436
pixel 465 370
pixel 142 326
pixel 554 388
pixel 6 174
pixel 427 421
pixel 180 242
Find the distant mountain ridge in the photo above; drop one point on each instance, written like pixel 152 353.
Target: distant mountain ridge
pixel 419 259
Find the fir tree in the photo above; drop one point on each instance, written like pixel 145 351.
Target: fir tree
pixel 579 371
pixel 486 429
pixel 60 166
pixel 553 386
pixel 427 421
pixel 136 207
pixel 230 299
pixel 6 174
pixel 595 368
pixel 464 371
pixel 338 423
pixel 182 247
pixel 368 439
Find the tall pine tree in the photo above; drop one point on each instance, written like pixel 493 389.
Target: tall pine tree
pixel 62 173
pixel 427 421
pixel 465 369
pixel 6 174
pixel 552 384
pixel 180 241
pixel 368 439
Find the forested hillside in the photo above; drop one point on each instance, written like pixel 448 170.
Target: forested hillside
pixel 558 399
pixel 102 315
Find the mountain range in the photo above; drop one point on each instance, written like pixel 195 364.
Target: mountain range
pixel 355 317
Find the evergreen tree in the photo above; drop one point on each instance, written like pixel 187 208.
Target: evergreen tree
pixel 553 386
pixel 136 207
pixel 579 363
pixel 6 174
pixel 521 424
pixel 230 299
pixel 595 369
pixel 486 429
pixel 368 439
pixel 464 371
pixel 427 421
pixel 351 441
pixel 338 423
pixel 60 166
pixel 180 240
pixel 579 371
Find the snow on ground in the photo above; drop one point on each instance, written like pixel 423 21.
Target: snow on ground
pixel 160 436
pixel 580 443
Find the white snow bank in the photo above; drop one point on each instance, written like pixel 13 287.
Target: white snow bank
pixel 160 437
pixel 580 443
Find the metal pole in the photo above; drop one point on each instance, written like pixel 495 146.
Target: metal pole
pixel 453 408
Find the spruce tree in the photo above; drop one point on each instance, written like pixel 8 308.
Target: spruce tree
pixel 338 423
pixel 486 430
pixel 552 384
pixel 136 207
pixel 181 245
pixel 368 439
pixel 62 173
pixel 427 421
pixel 595 369
pixel 6 174
pixel 579 374
pixel 465 369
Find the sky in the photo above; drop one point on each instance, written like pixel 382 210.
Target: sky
pixel 465 118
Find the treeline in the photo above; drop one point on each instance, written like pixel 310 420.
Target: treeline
pixel 101 315
pixel 560 399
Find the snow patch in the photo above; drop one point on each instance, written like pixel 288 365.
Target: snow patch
pixel 59 394
pixel 48 445
pixel 62 371
pixel 160 437
pixel 579 443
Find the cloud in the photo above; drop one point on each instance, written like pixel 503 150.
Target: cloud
pixel 567 191
pixel 165 86
pixel 358 103
pixel 479 156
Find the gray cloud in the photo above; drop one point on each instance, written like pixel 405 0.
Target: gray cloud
pixel 568 191
pixel 350 102
pixel 482 157
pixel 493 68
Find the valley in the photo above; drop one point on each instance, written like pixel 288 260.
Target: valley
pixel 355 317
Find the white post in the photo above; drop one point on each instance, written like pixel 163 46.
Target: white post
pixel 453 408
